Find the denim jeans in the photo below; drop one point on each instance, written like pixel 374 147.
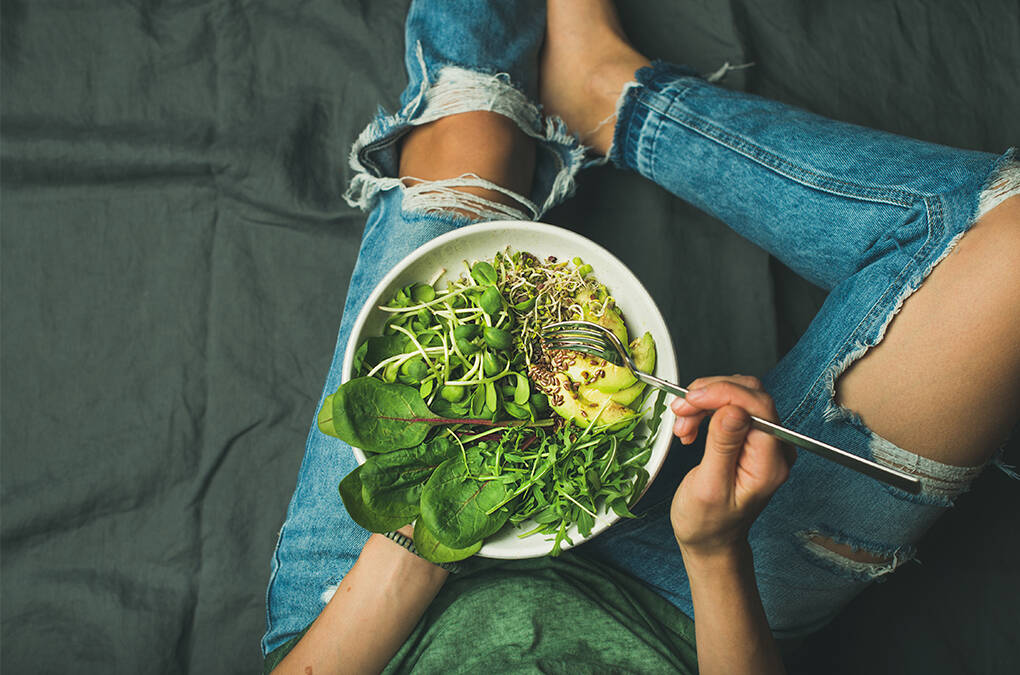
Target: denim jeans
pixel 862 213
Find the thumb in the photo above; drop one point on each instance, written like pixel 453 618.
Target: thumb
pixel 727 432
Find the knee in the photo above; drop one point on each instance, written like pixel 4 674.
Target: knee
pixel 479 164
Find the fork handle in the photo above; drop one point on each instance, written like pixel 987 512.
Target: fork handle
pixel 874 470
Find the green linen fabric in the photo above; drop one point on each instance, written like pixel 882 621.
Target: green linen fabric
pixel 545 615
pixel 174 255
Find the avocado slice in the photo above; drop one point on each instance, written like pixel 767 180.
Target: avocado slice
pixel 597 373
pixel 643 351
pixel 623 397
pixel 573 408
pixel 591 371
pixel 611 318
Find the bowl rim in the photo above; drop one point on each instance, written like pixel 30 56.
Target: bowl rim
pixel 666 365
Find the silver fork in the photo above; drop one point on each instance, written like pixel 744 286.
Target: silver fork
pixel 595 340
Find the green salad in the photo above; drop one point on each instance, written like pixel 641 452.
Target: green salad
pixel 469 425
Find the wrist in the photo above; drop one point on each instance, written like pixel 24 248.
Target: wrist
pixel 730 557
pixel 404 562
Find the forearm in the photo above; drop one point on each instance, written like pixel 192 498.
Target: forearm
pixel 372 612
pixel 732 632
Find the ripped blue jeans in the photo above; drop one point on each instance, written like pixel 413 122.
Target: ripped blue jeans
pixel 862 213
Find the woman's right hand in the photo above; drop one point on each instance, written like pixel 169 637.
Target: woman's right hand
pixel 742 467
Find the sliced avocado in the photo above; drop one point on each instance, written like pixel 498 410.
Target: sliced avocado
pixel 643 351
pixel 623 397
pixel 611 318
pixel 598 373
pixel 572 407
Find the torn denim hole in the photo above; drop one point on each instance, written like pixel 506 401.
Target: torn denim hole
pixel 940 483
pixel 458 90
pixel 445 195
pixel 874 561
pixel 328 594
pixel 1003 184
pixel 624 93
pixel 937 479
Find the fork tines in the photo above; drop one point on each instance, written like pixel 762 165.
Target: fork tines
pixel 576 328
pixel 581 336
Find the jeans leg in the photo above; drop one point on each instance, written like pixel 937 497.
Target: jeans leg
pixel 465 56
pixel 319 543
pixel 462 56
pixel 827 198
pixel 863 213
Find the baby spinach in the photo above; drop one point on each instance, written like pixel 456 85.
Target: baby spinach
pixel 383 347
pixel 352 494
pixel 454 505
pixel 392 482
pixel 435 551
pixel 379 417
pixel 383 417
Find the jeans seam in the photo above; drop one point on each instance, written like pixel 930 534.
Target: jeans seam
pixel 646 148
pixel 782 166
pixel 269 587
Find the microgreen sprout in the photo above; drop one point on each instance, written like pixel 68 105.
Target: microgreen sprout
pixel 545 291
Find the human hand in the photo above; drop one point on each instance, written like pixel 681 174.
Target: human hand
pixel 742 467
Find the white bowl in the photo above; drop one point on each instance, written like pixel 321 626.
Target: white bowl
pixel 481 242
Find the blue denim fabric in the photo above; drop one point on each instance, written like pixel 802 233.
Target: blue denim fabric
pixel 862 213
pixel 461 55
pixel 469 55
pixel 319 542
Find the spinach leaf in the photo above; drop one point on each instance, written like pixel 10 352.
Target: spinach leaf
pixel 454 505
pixel 351 492
pixel 325 417
pixel 379 417
pixel 435 551
pixel 392 482
pixel 383 347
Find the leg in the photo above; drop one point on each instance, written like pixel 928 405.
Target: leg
pixel 960 319
pixel 462 149
pixel 868 215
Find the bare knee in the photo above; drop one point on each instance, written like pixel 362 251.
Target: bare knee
pixel 489 150
pixel 945 380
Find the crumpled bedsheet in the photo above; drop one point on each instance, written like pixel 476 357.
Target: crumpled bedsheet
pixel 175 254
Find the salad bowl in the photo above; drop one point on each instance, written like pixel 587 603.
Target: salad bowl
pixel 443 259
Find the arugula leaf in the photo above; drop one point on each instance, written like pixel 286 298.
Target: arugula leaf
pixel 653 422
